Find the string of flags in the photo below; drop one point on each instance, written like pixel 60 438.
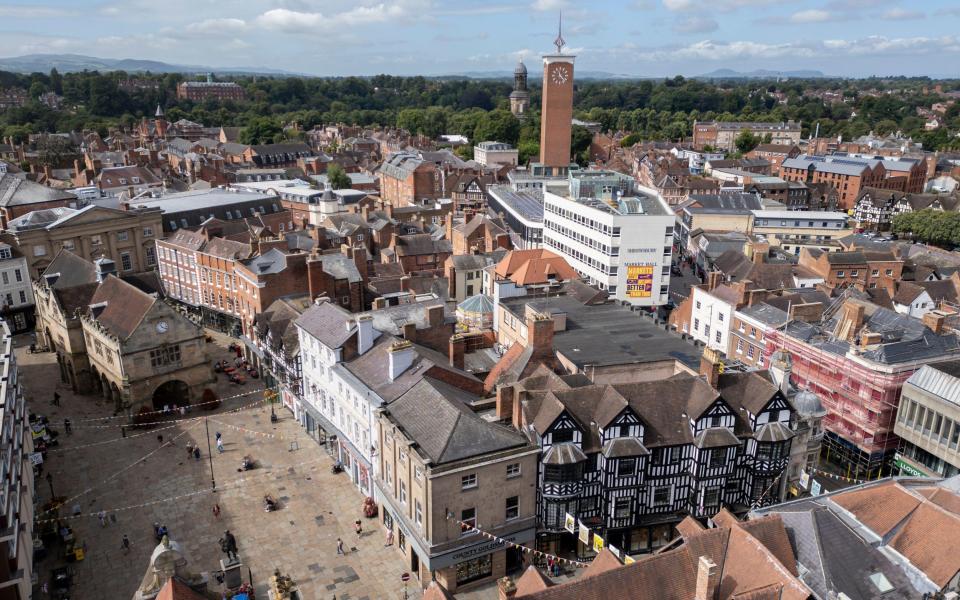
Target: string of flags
pixel 278 436
pixel 120 472
pixel 838 477
pixel 236 483
pixel 112 440
pixel 158 412
pixel 181 420
pixel 525 549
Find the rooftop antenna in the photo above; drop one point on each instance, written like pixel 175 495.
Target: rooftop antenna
pixel 559 42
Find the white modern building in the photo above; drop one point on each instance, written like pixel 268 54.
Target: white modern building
pixel 491 154
pixel 622 244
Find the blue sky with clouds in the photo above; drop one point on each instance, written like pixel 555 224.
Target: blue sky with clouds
pixel 430 37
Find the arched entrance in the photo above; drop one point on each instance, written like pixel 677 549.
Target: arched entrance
pixel 171 394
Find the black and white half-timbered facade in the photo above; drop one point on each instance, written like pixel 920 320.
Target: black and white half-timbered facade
pixel 631 460
pixel 275 349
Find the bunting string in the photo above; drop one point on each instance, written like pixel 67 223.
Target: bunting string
pixel 235 483
pixel 112 440
pixel 524 549
pixel 121 471
pixel 168 421
pixel 192 406
pixel 837 477
pixel 278 436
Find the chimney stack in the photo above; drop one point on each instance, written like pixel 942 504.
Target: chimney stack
pixel 714 278
pixel 934 321
pixel 540 334
pixel 710 366
pixel 401 355
pixel 364 333
pixel 458 351
pixel 708 579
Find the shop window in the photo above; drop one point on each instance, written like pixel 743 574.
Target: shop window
pixel 474 570
pixel 512 508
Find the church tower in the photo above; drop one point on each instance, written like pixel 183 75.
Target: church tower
pixel 557 110
pixel 160 123
pixel 520 97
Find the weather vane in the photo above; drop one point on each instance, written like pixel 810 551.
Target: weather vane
pixel 559 42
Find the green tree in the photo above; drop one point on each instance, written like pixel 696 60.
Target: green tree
pixel 580 138
pixel 630 140
pixel 261 131
pixel 338 178
pixel 528 150
pixel 500 126
pixel 746 141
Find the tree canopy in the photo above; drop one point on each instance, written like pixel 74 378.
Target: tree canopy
pixel 931 226
pixel 337 177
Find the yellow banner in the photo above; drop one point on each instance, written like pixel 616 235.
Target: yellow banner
pixel 597 543
pixel 639 281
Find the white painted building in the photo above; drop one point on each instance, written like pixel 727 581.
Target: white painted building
pixel 16 291
pixel 491 154
pixel 711 316
pixel 622 244
pixel 320 204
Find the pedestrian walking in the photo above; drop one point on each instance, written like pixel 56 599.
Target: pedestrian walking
pixel 196 453
pixel 183 411
pixel 189 450
pixel 219 435
pixel 125 544
pixel 220 445
pixel 46 588
pixel 123 430
pixel 228 544
pixel 389 538
pixel 66 426
pixel 102 515
pixel 339 546
pixel 56 399
pixel 358 527
pixel 216 511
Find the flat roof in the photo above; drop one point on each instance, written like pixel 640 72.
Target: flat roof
pixel 609 334
pixel 200 199
pixel 800 215
pixel 526 204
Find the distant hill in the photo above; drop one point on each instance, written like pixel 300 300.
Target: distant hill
pixel 533 75
pixel 760 74
pixel 72 63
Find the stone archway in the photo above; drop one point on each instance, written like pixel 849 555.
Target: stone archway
pixel 172 394
pixel 115 396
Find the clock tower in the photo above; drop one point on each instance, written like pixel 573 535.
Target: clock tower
pixel 557 111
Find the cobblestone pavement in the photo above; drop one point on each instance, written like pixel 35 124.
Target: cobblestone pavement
pixel 96 466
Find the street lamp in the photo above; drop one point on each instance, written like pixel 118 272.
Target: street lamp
pixel 53 496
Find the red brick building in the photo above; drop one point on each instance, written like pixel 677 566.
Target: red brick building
pixel 557 112
pixel 861 269
pixel 406 180
pixel 203 90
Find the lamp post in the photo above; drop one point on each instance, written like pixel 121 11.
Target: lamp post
pixel 53 496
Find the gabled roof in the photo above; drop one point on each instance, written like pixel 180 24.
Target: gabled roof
pixel 435 416
pixel 125 306
pixel 19 192
pixel 328 323
pixel 70 269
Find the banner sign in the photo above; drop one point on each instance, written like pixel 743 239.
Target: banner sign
pixel 597 543
pixel 640 281
pixel 569 523
pixel 584 534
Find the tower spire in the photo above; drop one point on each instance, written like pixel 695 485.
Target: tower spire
pixel 559 42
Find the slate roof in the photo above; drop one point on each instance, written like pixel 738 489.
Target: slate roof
pixel 437 418
pixel 339 266
pixel 420 244
pixel 71 270
pixel 328 323
pixel 19 192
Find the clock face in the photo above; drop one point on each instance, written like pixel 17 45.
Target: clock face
pixel 560 75
pixel 162 327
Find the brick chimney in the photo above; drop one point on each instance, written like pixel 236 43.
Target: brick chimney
pixel 409 331
pixel 540 334
pixel 435 316
pixel 506 588
pixel 506 395
pixel 710 366
pixel 458 351
pixel 934 320
pixel 714 278
pixel 708 579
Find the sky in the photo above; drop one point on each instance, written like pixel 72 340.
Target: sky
pixel 653 38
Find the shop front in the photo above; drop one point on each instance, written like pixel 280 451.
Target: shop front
pixel 356 465
pixel 474 561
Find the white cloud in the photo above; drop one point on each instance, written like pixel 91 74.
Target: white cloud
pixel 812 15
pixel 902 14
pixel 217 26
pixel 695 24
pixel 292 21
pixel 550 5
pixel 31 11
pixel 717 5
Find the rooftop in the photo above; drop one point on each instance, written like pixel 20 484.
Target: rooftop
pixel 608 334
pixel 199 199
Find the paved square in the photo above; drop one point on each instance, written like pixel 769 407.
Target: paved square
pixel 98 467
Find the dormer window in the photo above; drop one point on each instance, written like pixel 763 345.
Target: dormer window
pixel 123 181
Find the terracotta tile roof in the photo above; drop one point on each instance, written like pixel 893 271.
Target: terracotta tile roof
pixel 532 581
pixel 924 538
pixel 689 527
pixel 542 270
pixel 175 589
pixel 605 561
pixel 517 258
pixel 126 306
pixel 944 499
pixel 881 508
